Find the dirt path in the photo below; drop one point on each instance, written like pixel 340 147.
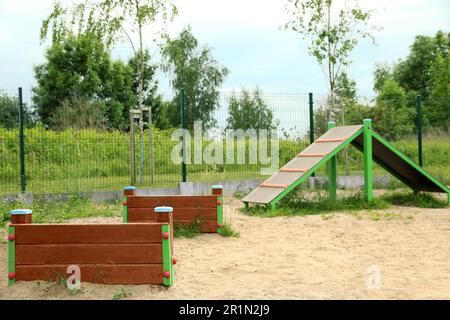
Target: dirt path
pixel 314 257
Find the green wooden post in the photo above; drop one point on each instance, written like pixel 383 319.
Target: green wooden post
pixel 127 191
pixel 218 190
pixel 11 256
pixel 368 159
pixel 168 275
pixel 332 171
pixel 125 210
pixel 311 122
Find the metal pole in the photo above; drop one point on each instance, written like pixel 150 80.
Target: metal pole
pixel 132 151
pixel 141 146
pixel 311 122
pixel 150 138
pixel 22 143
pixel 183 163
pixel 419 129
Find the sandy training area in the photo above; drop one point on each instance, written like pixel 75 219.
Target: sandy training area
pixel 314 257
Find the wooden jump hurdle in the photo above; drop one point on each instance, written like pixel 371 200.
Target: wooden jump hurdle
pixel 135 253
pixel 207 209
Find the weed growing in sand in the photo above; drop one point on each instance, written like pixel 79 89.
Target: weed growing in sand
pixel 187 231
pixel 301 204
pixel 228 231
pixel 121 293
pixel 421 199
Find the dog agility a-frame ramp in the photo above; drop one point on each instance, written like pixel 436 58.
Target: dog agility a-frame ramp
pixel 324 150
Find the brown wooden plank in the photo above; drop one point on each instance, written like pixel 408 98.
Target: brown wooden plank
pixel 88 253
pixel 142 214
pixel 171 201
pixel 88 233
pixel 100 273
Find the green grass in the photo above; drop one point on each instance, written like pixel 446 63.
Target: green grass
pixel 302 204
pixel 228 231
pixel 187 231
pixel 59 211
pixel 85 160
pixel 410 199
pixel 121 293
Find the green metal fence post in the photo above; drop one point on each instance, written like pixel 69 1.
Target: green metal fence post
pixel 368 159
pixel 332 171
pixel 419 129
pixel 182 115
pixel 22 143
pixel 311 121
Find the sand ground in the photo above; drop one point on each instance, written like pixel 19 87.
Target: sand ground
pixel 312 257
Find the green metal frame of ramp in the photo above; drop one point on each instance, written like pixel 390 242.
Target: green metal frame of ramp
pixel 325 149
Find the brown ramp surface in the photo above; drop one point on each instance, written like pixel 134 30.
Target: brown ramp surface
pixel 400 166
pixel 302 164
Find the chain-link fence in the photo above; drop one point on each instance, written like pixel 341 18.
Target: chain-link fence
pixel 92 159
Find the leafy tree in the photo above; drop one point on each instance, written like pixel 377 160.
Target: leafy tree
pixel 437 109
pixel 198 73
pixel 81 67
pixel 382 73
pixel 249 111
pixel 333 31
pixel 392 117
pixel 74 68
pixel 415 72
pixel 78 113
pixel 9 113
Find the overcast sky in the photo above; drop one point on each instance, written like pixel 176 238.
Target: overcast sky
pixel 245 37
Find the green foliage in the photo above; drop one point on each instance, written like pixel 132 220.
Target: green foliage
pixel 82 160
pixel 392 117
pixel 333 32
pixel 414 72
pixel 426 72
pixel 60 210
pixel 306 203
pixel 106 18
pixel 249 111
pixel 198 73
pixel 79 114
pixel 80 68
pixel 187 231
pixel 121 293
pixel 437 108
pixel 9 113
pixel 228 231
pixel 421 200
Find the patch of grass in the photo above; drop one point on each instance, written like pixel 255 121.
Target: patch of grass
pixel 228 231
pixel 302 204
pixel 59 211
pixel 187 231
pixel 121 293
pixel 421 200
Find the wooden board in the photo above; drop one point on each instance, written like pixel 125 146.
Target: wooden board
pixel 142 214
pixel 88 254
pixel 93 234
pixel 171 201
pixel 95 273
pixel 265 195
